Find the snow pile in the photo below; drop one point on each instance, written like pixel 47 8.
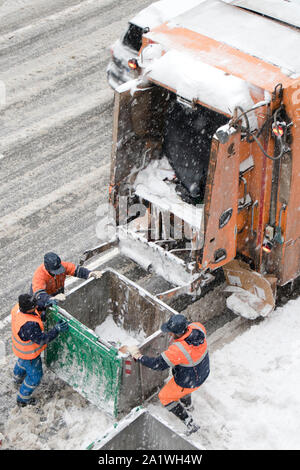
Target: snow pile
pixel 253 34
pixel 252 398
pixel 283 10
pixel 154 184
pixel 62 420
pixel 246 304
pixel 152 256
pixel 111 332
pixel 195 80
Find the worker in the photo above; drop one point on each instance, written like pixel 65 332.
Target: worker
pixel 188 357
pixel 28 341
pixel 48 281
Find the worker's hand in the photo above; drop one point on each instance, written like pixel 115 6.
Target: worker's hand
pixel 61 326
pixel 134 352
pixel 61 297
pixel 95 274
pixel 51 302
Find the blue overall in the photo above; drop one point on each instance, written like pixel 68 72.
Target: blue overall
pixel 31 371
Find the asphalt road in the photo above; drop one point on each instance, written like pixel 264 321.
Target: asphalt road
pixel 55 130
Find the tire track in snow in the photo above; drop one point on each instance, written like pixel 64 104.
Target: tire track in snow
pixel 55 132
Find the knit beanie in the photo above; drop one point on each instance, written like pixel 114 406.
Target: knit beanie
pixel 26 302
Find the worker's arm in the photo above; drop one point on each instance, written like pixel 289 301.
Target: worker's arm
pixel 43 299
pixel 155 363
pixel 31 331
pixel 39 286
pixel 81 272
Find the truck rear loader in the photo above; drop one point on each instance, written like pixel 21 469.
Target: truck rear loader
pixel 206 156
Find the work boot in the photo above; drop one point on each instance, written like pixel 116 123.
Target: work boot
pixel 181 413
pixel 32 401
pixel 187 403
pixel 191 426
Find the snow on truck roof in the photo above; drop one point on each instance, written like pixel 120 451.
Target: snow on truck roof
pixel 215 52
pixel 159 12
pixel 192 79
pixel 256 35
pixel 287 11
pixel 250 46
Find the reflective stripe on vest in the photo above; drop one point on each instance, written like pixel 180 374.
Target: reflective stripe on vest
pixel 180 346
pixel 27 349
pixel 32 351
pixel 191 363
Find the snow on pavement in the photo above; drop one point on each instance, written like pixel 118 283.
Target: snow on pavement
pixel 251 399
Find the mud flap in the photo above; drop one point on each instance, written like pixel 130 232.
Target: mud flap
pixel 253 295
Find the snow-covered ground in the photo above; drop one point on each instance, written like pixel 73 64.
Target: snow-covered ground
pixel 251 399
pixel 55 141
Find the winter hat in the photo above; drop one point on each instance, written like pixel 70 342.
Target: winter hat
pixel 26 302
pixel 176 324
pixel 52 263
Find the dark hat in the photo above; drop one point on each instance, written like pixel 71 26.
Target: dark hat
pixel 26 302
pixel 52 263
pixel 176 324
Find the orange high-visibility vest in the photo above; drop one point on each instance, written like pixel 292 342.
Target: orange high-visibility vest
pixel 43 281
pixel 184 354
pixel 24 349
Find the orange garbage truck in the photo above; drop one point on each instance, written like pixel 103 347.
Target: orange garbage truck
pixel 205 172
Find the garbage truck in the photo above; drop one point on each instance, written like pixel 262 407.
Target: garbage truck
pixel 205 182
pixel 205 153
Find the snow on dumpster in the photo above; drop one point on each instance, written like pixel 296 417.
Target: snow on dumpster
pixel 90 361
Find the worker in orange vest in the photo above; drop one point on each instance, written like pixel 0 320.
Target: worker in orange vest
pixel 28 341
pixel 48 281
pixel 188 357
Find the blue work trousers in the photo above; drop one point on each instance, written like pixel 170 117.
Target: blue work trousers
pixel 31 371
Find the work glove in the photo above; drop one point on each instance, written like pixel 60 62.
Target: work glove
pixel 51 301
pixel 43 315
pixel 95 274
pixel 134 352
pixel 61 297
pixel 61 326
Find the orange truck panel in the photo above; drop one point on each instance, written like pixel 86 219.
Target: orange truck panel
pixel 253 181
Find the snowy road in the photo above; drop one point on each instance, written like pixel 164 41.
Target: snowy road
pixel 55 129
pixel 55 138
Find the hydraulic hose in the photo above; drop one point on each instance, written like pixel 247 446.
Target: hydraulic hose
pixel 251 135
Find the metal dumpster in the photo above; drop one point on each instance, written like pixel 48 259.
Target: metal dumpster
pixel 140 430
pixel 91 365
